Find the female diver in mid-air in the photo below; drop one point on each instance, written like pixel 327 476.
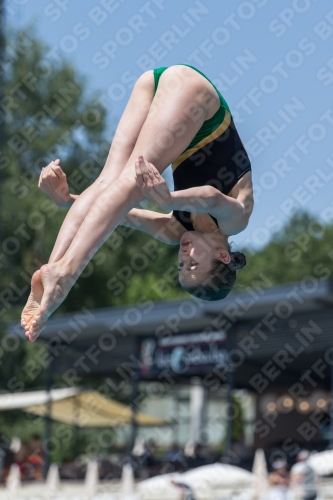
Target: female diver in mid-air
pixel 174 115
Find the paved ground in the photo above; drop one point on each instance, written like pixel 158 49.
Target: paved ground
pixel 111 491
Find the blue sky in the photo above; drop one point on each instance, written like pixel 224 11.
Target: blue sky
pixel 272 61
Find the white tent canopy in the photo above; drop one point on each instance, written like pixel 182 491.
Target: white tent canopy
pixel 201 479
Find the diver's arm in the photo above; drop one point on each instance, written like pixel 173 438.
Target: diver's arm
pixel 69 201
pixel 230 213
pixel 162 226
pixel 203 200
pixel 53 182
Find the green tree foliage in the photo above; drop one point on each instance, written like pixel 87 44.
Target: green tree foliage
pixel 302 249
pixel 47 116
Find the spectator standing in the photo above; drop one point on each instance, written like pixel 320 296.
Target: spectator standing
pixel 149 453
pixel 35 458
pixel 278 481
pixel 29 459
pixel 197 459
pixel 303 478
pixel 20 459
pixel 176 459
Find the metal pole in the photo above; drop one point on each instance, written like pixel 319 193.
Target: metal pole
pixel 175 416
pixel 133 406
pixel 135 375
pixel 76 425
pixel 331 410
pixel 2 50
pixel 2 112
pixel 228 440
pixel 197 409
pixel 47 427
pixel 2 143
pixel 230 385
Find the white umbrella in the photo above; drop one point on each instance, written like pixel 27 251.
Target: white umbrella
pixel 13 484
pixel 53 480
pixel 217 476
pixel 160 487
pixel 207 477
pixel 261 475
pixel 322 462
pixel 127 483
pixel 91 479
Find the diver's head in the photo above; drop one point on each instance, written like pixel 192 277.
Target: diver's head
pixel 206 265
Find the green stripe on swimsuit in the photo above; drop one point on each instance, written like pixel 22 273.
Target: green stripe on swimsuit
pixel 209 125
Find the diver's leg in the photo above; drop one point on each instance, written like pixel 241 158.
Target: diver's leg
pixel 121 148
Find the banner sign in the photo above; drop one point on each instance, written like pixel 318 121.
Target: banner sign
pixel 190 354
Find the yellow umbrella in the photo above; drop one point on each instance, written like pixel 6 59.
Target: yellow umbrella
pixel 91 409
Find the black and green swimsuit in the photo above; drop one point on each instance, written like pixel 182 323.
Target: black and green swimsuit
pixel 215 157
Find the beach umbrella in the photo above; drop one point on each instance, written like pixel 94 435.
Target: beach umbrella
pixel 160 487
pixel 76 406
pixel 322 462
pixel 91 479
pixel 201 479
pixel 260 474
pixel 217 476
pixel 53 481
pixel 127 483
pixel 13 484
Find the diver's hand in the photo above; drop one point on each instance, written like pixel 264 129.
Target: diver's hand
pixel 53 182
pixel 151 183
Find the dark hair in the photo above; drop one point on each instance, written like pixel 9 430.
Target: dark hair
pixel 220 279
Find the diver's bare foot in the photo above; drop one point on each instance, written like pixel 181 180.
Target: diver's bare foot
pixel 33 302
pixel 56 286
